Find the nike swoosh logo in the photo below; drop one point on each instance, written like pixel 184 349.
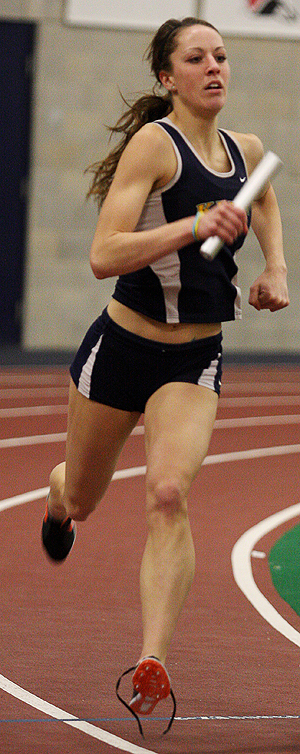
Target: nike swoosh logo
pixel 243 179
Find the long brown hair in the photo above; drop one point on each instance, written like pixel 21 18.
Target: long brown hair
pixel 147 108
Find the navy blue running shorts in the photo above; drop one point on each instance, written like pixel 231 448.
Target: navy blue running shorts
pixel 120 369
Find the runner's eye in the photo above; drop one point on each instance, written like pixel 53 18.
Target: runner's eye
pixel 195 59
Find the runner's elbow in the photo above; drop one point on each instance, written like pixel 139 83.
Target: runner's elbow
pixel 100 264
pixel 98 269
pixel 104 257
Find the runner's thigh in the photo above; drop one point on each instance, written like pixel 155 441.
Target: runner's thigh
pixel 96 435
pixel 179 420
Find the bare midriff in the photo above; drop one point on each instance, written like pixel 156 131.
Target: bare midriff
pixel 145 327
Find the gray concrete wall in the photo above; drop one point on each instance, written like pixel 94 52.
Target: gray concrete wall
pixel 78 73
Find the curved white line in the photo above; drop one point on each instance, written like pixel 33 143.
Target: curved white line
pixel 65 717
pixel 240 422
pixel 132 471
pixel 34 701
pixel 56 712
pixel 40 704
pixel 242 571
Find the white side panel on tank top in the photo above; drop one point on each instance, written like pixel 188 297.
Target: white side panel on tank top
pixel 166 269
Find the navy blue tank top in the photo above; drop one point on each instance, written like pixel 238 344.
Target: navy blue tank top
pixel 182 286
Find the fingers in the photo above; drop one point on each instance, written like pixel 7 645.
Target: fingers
pixel 233 220
pixel 268 297
pixel 271 302
pixel 253 299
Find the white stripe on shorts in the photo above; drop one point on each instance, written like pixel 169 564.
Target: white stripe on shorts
pixel 208 376
pixel 84 384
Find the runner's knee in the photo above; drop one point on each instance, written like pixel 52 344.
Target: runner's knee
pixel 166 499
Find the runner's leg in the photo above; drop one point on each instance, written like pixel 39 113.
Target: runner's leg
pixel 96 435
pixel 179 420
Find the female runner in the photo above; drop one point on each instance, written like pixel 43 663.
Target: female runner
pixel 156 348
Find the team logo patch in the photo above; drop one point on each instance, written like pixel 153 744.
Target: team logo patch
pixel 204 206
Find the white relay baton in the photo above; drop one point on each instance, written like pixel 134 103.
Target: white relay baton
pixel 266 168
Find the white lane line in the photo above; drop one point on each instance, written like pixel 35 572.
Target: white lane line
pixel 242 571
pixel 49 709
pixel 11 413
pixel 272 400
pixel 240 717
pixel 230 402
pixel 34 701
pixel 251 421
pixel 34 379
pixel 138 430
pixel 134 471
pixel 24 497
pixel 17 442
pixel 238 455
pixel 35 392
pixel 260 387
pixel 257 421
pixel 52 711
pixel 245 455
pixel 28 379
pixel 243 421
pixel 258 554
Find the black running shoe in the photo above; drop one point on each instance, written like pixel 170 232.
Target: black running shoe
pixel 58 537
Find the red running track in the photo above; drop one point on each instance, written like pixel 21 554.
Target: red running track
pixel 68 631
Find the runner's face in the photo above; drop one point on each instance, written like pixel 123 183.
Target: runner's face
pixel 200 71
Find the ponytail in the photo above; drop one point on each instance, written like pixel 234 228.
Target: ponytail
pixel 146 109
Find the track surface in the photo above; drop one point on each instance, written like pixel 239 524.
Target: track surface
pixel 68 631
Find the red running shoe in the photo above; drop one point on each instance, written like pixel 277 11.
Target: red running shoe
pixel 151 684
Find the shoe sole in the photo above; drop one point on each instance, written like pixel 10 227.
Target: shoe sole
pixel 151 684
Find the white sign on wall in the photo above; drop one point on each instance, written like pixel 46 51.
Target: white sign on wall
pixel 255 18
pixel 132 14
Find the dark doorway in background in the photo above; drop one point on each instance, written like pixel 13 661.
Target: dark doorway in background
pixel 16 58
